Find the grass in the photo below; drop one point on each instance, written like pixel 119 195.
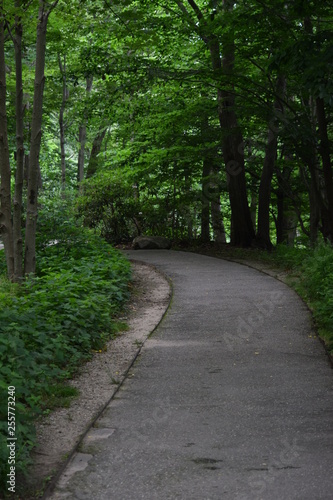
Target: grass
pixel 59 396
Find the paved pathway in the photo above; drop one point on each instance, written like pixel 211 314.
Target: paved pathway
pixel 230 399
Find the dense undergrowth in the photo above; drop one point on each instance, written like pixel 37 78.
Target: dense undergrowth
pixel 311 275
pixel 52 323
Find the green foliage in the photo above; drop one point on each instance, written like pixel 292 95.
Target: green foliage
pixel 54 321
pixel 108 205
pixel 317 287
pixel 59 395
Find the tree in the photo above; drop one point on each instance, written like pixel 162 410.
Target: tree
pixel 190 106
pixel 5 171
pixel 12 231
pixel 242 232
pixel 263 232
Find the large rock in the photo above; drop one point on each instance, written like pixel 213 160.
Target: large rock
pixel 151 243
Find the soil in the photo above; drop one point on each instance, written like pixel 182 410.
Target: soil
pixel 60 433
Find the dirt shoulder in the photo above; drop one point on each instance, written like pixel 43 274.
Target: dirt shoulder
pixel 60 433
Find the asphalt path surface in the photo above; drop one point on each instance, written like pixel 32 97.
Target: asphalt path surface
pixel 231 397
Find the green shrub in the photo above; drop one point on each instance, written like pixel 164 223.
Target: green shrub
pixel 54 321
pixel 317 285
pixel 108 205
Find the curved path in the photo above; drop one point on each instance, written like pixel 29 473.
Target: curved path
pixel 230 399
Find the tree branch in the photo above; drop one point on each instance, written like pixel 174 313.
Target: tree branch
pixel 196 9
pixel 189 18
pixel 53 6
pixel 119 18
pixel 184 10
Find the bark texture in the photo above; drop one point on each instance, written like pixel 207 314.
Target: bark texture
pixel 36 135
pixel 205 233
pixel 5 171
pixel 19 177
pixel 263 237
pixel 242 233
pixel 95 150
pixel 324 150
pixel 65 95
pixel 82 139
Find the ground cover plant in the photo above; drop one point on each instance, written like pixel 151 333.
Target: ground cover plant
pixel 54 321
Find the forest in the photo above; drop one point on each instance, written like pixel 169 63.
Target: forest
pixel 206 121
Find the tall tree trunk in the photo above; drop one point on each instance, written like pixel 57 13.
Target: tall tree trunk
pixel 324 150
pixel 65 95
pixel 325 202
pixel 36 135
pixel 82 137
pixel 242 228
pixel 217 222
pixel 242 233
pixel 253 209
pixel 280 216
pixel 263 237
pixel 307 151
pixel 217 217
pixel 186 209
pixel 287 217
pixel 5 194
pixel 95 150
pixel 19 178
pixel 205 199
pixel 319 207
pixel 80 162
pixel 314 215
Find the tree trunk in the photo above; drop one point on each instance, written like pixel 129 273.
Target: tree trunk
pixel 253 209
pixel 186 209
pixel 217 218
pixel 5 172
pixel 95 150
pixel 326 161
pixel 242 233
pixel 205 198
pixel 287 218
pixel 80 163
pixel 263 237
pixel 242 228
pixel 36 135
pixel 314 215
pixel 325 203
pixel 19 178
pixel 65 95
pixel 217 222
pixel 280 217
pixel 82 138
